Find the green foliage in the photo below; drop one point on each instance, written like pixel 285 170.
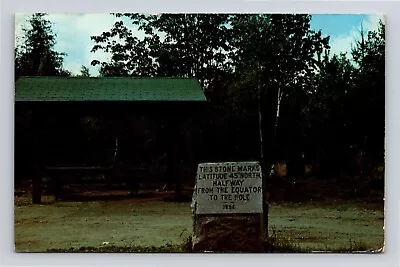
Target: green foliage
pixel 130 56
pixel 312 103
pixel 278 55
pixel 368 96
pixel 36 56
pixel 84 72
pixel 281 48
pixel 192 45
pixel 326 112
pixel 315 107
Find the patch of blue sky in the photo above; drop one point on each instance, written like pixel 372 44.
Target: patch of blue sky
pixel 336 24
pixel 344 29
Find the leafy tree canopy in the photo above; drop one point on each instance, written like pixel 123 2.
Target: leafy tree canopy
pixel 309 100
pixel 36 55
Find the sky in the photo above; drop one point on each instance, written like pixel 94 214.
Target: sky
pixel 74 31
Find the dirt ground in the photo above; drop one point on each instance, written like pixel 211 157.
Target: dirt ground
pixel 97 220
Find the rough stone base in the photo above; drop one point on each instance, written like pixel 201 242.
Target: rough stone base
pixel 227 233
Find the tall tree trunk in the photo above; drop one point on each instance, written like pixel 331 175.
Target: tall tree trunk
pixel 278 109
pixel 264 177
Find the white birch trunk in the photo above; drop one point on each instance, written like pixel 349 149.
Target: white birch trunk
pixel 278 108
pixel 260 124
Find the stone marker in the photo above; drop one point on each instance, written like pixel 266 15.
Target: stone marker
pixel 227 208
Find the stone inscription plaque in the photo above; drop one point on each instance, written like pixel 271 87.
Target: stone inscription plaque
pixel 229 187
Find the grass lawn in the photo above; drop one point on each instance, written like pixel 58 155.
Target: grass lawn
pixel 151 224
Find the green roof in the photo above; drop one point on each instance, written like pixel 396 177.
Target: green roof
pixel 107 89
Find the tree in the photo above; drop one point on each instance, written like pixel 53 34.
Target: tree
pixel 368 96
pixel 36 56
pixel 174 45
pixel 84 72
pixel 266 68
pixel 129 55
pixel 276 57
pixel 328 115
pixel 345 113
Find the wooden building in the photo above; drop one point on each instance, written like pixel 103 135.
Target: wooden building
pixel 106 124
